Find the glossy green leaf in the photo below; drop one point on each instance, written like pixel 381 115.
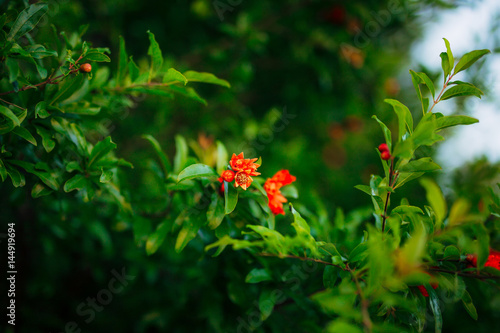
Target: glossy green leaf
pixel 451 59
pixel 181 153
pixel 459 211
pixel 469 305
pixel 165 163
pixel 196 171
pixel 193 76
pixel 27 20
pixel 405 209
pixel 230 198
pixel 404 116
pixel 445 65
pixel 45 177
pixel 122 62
pixel 188 232
pixel 47 142
pixel 222 157
pixel 10 115
pixel 424 164
pixel 449 121
pixel 38 51
pixel 173 75
pixel 257 275
pixel 106 176
pixel 77 182
pixel 156 239
pixel 94 55
pixel 386 131
pixel 188 92
pixel 215 213
pixel 16 177
pixel 469 59
pixel 461 90
pixel 133 70
pixel 3 171
pixel 330 276
pixel 436 309
pixel 299 220
pixel 436 199
pixel 101 149
pixel 40 190
pixel 41 110
pixel 25 134
pixel 156 55
pixel 69 86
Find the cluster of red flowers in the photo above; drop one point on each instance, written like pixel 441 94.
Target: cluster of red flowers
pixel 273 186
pixel 384 151
pixel 493 259
pixel 242 170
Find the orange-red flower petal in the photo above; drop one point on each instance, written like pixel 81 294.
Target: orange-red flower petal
pixel 272 187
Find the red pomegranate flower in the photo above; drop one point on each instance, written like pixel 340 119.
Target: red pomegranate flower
pixel 272 187
pixel 239 163
pixel 493 259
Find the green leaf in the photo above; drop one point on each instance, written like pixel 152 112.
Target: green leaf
pixel 222 157
pixel 405 177
pixel 436 310
pixel 405 209
pixel 196 171
pixel 404 117
pixel 445 65
pixel 133 69
pixel 10 115
pixel 435 198
pixel 299 220
pixel 25 134
pixel 3 171
pixel 165 163
pixel 94 55
pixel 330 276
pixel 469 305
pixel 449 121
pixel 469 59
pixel 106 176
pixel 421 165
pixel 45 177
pixel 27 20
pixel 386 131
pixel 101 149
pixel 77 182
pixel 156 239
pixel 193 76
pixel 189 93
pixel 41 110
pixel 173 75
pixel 73 166
pixel 459 211
pixel 156 56
pixel 38 51
pixel 122 62
pixel 461 90
pixel 188 232
pixel 40 190
pixel 181 153
pixel 215 213
pixel 257 275
pixel 451 60
pixel 47 141
pixel 70 85
pixel 230 197
pixel 16 177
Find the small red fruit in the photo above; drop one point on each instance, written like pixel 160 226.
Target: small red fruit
pixel 228 175
pixel 86 68
pixel 385 155
pixel 383 147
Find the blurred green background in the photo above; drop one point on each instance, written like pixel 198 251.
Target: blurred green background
pixel 306 78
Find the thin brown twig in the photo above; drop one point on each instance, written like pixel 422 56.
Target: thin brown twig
pixel 265 254
pixel 367 322
pixel 17 106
